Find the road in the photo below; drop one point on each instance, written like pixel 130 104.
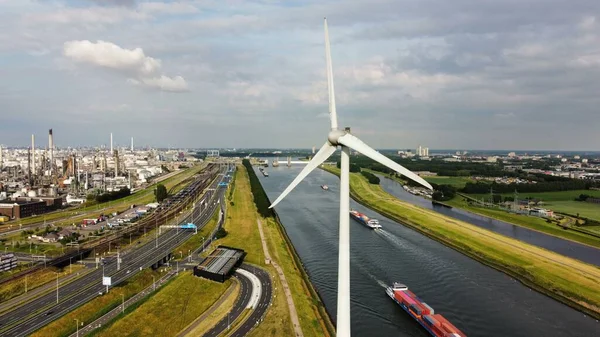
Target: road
pixel 242 301
pixel 30 317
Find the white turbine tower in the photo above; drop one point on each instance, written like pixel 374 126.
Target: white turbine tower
pixel 346 141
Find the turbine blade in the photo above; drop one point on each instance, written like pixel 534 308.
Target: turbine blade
pixel 332 111
pixel 358 145
pixel 324 153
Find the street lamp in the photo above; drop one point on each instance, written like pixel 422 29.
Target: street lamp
pixel 153 283
pixel 77 323
pixel 57 288
pixel 123 302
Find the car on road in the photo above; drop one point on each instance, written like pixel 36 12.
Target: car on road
pixel 49 313
pixel 101 293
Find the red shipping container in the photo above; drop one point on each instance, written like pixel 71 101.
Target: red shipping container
pixel 402 297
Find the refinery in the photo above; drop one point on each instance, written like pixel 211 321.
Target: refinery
pixel 43 178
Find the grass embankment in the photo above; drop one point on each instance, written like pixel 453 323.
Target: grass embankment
pixel 100 305
pixel 241 223
pixel 217 315
pixel 169 310
pixel 38 278
pixel 567 280
pixel 531 222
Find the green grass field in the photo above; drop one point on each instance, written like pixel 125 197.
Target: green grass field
pixel 562 202
pixel 584 209
pixel 567 280
pixel 169 310
pixel 458 182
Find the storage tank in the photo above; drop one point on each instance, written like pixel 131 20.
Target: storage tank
pixel 32 194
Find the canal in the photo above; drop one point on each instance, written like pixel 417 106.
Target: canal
pixel 477 299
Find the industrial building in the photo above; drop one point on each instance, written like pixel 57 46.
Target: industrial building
pixel 219 265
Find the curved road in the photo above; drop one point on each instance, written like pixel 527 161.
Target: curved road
pixel 242 301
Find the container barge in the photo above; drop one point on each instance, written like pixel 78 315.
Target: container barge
pixel 365 220
pixel 435 324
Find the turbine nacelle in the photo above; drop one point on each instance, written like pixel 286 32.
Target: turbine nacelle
pixel 334 135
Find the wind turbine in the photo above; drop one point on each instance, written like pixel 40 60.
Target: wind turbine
pixel 346 141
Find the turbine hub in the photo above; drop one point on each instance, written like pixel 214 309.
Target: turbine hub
pixel 334 135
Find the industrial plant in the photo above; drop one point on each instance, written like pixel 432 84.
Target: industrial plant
pixel 36 180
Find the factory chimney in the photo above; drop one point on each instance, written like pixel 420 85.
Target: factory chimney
pixel 29 165
pixel 116 163
pixel 33 153
pixel 1 159
pixel 111 148
pixel 51 149
pixel 131 144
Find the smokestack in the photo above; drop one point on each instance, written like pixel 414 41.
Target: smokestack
pixel 116 163
pixel 33 153
pixel 111 148
pixel 1 158
pixel 51 149
pixel 29 165
pixel 131 144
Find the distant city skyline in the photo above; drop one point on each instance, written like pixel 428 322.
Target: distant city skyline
pixel 461 74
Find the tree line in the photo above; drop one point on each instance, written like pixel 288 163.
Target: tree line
pixel 114 195
pixel 260 196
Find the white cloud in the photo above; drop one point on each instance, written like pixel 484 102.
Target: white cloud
pixel 133 62
pixel 109 55
pixel 164 83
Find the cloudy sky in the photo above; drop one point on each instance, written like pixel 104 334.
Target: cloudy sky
pixel 460 74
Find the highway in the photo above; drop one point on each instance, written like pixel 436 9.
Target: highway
pixel 31 316
pixel 242 302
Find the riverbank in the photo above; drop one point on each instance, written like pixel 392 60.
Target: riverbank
pixel 529 222
pixel 564 279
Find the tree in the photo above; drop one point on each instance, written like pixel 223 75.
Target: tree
pixel 161 192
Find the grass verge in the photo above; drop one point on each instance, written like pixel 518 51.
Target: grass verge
pixel 100 305
pixel 217 315
pixel 169 310
pixel 567 280
pixel 38 278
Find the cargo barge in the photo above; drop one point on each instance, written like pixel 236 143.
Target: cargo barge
pixel 436 324
pixel 365 220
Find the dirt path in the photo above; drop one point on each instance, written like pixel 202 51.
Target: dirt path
pixel 286 288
